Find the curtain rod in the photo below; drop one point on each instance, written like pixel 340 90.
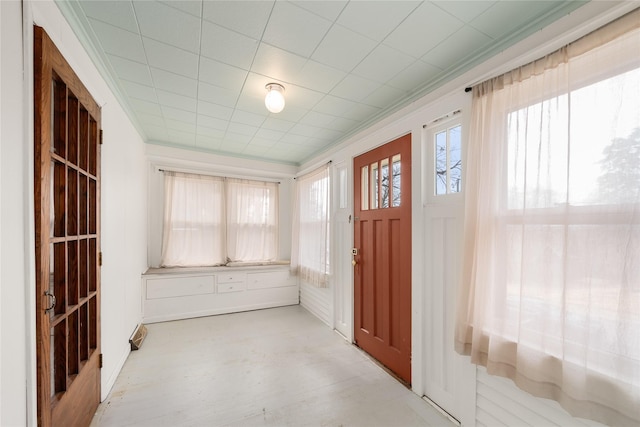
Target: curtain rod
pixel 313 170
pixel 223 176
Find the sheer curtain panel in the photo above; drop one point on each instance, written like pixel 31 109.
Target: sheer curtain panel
pixel 194 222
pixel 310 243
pixel 252 218
pixel 551 274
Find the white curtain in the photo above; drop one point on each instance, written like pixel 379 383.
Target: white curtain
pixel 551 274
pixel 310 243
pixel 252 217
pixel 194 223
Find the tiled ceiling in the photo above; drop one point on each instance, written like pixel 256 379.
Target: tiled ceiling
pixel 192 74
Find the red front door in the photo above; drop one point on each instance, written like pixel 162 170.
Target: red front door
pixel 382 269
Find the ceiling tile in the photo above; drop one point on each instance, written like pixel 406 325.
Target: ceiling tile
pixel 318 77
pixel 300 97
pixel 208 143
pixel 241 129
pixel 361 112
pixel 119 42
pixel 355 88
pixel 180 126
pixel 218 95
pixel 118 13
pixel 425 28
pixel 276 63
pixel 227 46
pixel 178 114
pixel 383 63
pixel 131 70
pixel 237 141
pixel 222 75
pixel 315 118
pixel 214 110
pixel 136 90
pixel 194 7
pixel 327 9
pixel 463 44
pixel 268 136
pixel 414 76
pixel 375 19
pixel 150 119
pixel 210 133
pixel 248 118
pixel 212 122
pixel 170 58
pixel 175 83
pixel 305 130
pixel 168 25
pixel 504 17
pixel 156 134
pixel 141 106
pixel 252 104
pixel 287 19
pixel 464 10
pixel 177 101
pixel 291 113
pixel 334 105
pixel 384 97
pixel 183 138
pixel 245 17
pixel 343 49
pixel 278 124
pixel 343 124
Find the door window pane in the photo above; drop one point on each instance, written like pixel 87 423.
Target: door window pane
pixel 384 183
pixel 375 192
pixel 365 188
pixel 396 182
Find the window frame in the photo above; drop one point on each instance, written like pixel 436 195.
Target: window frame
pixel 449 121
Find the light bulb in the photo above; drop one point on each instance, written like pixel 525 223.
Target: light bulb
pixel 274 101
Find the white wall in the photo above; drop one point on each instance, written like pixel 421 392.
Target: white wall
pixel 14 217
pixel 123 209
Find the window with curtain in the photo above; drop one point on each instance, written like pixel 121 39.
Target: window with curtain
pixel 551 273
pixel 310 245
pixel 212 221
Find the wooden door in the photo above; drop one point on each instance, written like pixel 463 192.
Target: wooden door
pixel 382 269
pixel 67 224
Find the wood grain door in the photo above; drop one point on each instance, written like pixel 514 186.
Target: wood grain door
pixel 382 269
pixel 67 225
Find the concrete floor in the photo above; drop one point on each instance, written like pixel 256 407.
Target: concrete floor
pixel 275 367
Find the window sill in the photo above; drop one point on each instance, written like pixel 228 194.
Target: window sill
pixel 235 266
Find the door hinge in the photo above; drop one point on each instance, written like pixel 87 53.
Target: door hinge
pixel 100 136
pixel 100 361
pixel 100 259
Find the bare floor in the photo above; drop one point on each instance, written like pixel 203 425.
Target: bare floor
pixel 276 367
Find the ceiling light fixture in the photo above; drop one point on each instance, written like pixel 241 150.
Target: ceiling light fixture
pixel 274 101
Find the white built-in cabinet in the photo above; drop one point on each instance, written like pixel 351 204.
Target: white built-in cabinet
pixel 172 294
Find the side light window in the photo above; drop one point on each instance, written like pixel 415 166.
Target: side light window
pixel 447 146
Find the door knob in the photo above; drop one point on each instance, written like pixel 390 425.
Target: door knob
pixel 354 262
